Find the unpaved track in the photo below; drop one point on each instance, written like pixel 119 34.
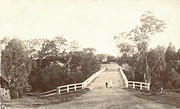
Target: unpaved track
pixel 100 97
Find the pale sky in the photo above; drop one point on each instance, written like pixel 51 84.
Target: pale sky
pixel 93 23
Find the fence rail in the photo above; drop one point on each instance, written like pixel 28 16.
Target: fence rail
pixel 140 85
pixel 71 87
pixel 124 78
pixel 48 93
pixel 134 84
pixel 92 77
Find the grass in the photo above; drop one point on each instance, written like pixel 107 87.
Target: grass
pixel 170 97
pixel 33 101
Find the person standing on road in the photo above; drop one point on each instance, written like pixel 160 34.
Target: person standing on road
pixel 106 84
pixel 111 83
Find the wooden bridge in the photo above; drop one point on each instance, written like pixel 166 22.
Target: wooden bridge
pixel 100 97
pixel 100 84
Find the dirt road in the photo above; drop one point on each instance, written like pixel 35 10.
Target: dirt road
pixel 100 97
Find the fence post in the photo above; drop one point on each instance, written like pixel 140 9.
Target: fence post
pixel 67 88
pixel 140 86
pixel 133 85
pixel 58 91
pixel 75 87
pixel 82 85
pixel 148 86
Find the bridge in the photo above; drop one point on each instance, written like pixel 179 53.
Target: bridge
pixel 100 97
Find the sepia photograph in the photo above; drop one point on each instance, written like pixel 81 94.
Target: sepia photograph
pixel 89 54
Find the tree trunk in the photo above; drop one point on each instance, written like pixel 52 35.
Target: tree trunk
pixel 15 93
pixel 147 75
pixel 68 66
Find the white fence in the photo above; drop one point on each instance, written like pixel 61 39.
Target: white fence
pixel 48 93
pixel 92 77
pixel 124 78
pixel 72 87
pixel 69 88
pixel 139 85
pixel 134 84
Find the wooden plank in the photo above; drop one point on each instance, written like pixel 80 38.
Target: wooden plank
pixel 47 95
pixel 48 92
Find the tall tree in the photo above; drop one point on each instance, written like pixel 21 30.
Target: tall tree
pixel 141 35
pixel 16 65
pixel 157 65
pixel 170 54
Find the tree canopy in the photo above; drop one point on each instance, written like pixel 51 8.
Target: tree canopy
pixel 139 38
pixel 16 64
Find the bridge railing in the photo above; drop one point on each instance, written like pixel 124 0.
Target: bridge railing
pixel 69 88
pixel 124 78
pixel 72 87
pixel 139 85
pixel 48 93
pixel 92 77
pixel 134 84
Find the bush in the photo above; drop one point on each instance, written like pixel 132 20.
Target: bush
pixel 129 72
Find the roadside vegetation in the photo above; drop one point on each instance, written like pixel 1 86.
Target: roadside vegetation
pixel 41 64
pixel 159 66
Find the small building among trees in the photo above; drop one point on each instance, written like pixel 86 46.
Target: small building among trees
pixel 4 88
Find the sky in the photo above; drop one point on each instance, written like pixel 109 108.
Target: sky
pixel 92 23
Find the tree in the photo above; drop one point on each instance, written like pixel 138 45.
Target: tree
pixel 178 54
pixel 89 50
pixel 53 57
pixel 157 65
pixel 33 46
pixel 73 46
pixel 111 58
pixel 101 57
pixel 16 66
pixel 170 55
pixel 4 41
pixel 140 37
pixel 124 46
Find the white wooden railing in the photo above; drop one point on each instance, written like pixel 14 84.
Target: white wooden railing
pixel 72 87
pixel 92 77
pixel 139 85
pixel 69 88
pixel 48 93
pixel 134 84
pixel 124 78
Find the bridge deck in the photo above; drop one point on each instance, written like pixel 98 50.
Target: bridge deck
pixel 107 76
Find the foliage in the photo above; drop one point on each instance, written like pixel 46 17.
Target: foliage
pixel 163 67
pixel 101 57
pixel 46 64
pixel 159 66
pixel 170 55
pixel 129 72
pixel 139 38
pixel 16 65
pixel 111 59
pixel 58 62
